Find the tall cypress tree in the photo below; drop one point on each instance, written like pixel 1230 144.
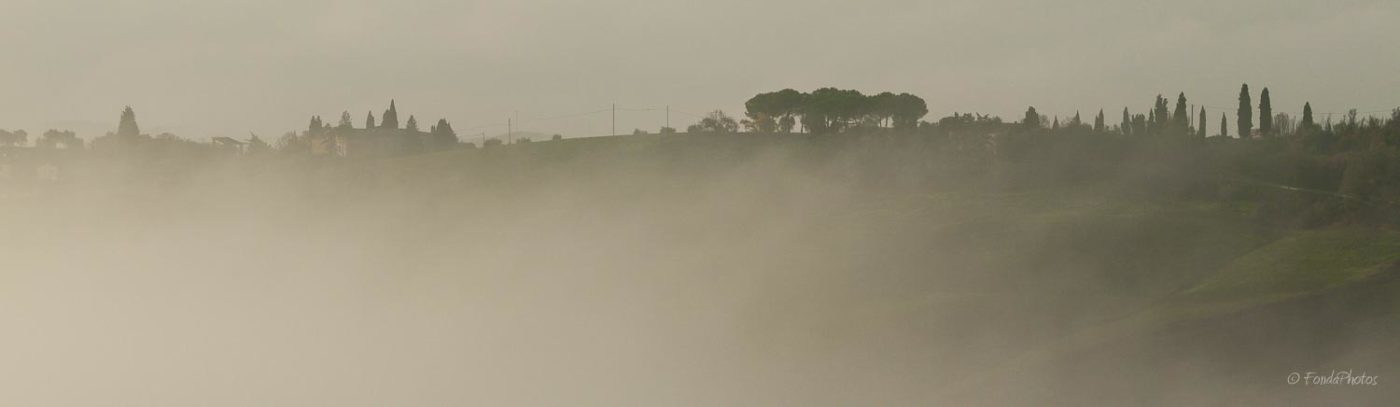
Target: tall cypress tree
pixel 1127 127
pixel 412 124
pixel 1180 117
pixel 369 120
pixel 391 117
pixel 1266 114
pixel 1307 115
pixel 345 121
pixel 1201 128
pixel 1245 121
pixel 1098 122
pixel 1224 130
pixel 1161 117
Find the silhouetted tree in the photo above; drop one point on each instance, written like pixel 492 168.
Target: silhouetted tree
pixel 761 111
pixel 369 120
pixel 441 134
pixel 1266 115
pixel 1098 122
pixel 1127 126
pixel 1180 117
pixel 1245 121
pixel 715 122
pixel 879 108
pixel 391 117
pixel 833 110
pixel 1307 115
pixel 906 111
pixel 1201 124
pixel 412 124
pixel 1160 117
pixel 127 127
pixel 1032 119
pixel 788 104
pixel 1224 130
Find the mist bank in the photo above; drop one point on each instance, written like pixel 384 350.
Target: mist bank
pixel 685 269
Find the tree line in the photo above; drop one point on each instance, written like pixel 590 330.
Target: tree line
pixel 831 110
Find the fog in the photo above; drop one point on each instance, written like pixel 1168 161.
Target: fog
pixel 840 248
pixel 335 284
pixel 692 270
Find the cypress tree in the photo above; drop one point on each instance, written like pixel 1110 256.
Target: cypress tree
pixel 369 120
pixel 1056 125
pixel 1127 126
pixel 1307 115
pixel 1266 114
pixel 391 117
pixel 1098 122
pixel 1224 130
pixel 1245 121
pixel 412 124
pixel 1201 128
pixel 1161 114
pixel 1180 116
pixel 345 121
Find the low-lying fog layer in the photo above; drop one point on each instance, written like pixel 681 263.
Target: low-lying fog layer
pixel 763 280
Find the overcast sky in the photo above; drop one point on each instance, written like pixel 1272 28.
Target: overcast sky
pixel 228 67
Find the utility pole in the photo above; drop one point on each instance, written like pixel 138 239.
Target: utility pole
pixel 668 116
pixel 509 130
pixel 614 119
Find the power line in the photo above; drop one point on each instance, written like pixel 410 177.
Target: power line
pixel 537 119
pixel 687 113
pixel 1256 107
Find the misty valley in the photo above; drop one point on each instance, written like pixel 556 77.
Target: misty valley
pixel 832 252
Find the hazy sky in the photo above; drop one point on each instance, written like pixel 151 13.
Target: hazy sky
pixel 228 67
